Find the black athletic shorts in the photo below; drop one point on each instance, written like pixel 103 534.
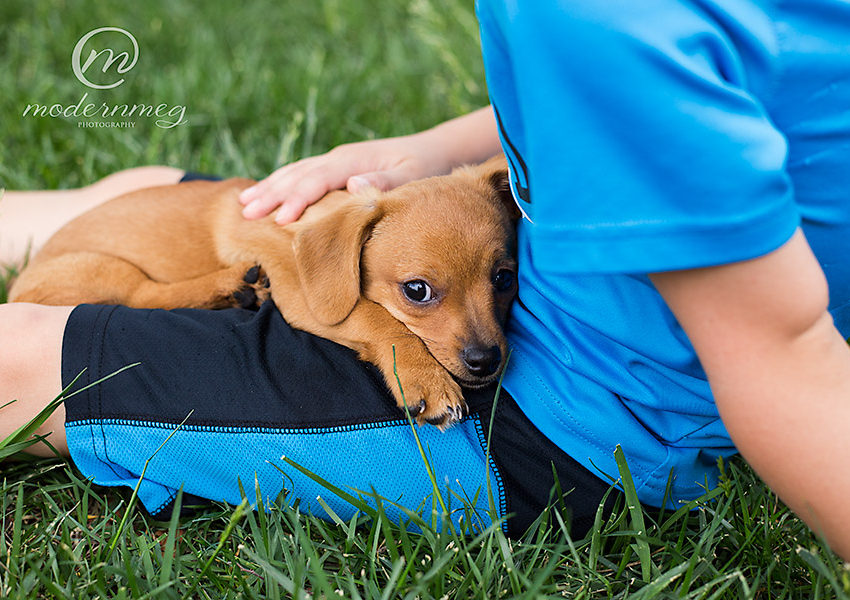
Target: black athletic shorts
pixel 245 397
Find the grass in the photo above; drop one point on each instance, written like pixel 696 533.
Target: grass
pixel 265 83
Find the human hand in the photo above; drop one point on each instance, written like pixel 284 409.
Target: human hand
pixel 383 164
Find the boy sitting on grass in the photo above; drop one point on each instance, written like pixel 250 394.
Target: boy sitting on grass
pixel 684 283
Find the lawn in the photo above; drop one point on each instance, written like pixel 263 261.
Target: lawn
pixel 264 83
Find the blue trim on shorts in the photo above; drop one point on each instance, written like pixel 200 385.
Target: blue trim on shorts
pixel 500 486
pixel 222 429
pixel 357 458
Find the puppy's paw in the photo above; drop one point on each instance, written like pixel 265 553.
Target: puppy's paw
pixel 432 395
pixel 254 289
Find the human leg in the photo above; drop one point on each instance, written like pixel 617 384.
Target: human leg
pixel 28 219
pixel 30 367
pixel 242 390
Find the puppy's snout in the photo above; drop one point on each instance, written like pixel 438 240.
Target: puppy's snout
pixel 481 361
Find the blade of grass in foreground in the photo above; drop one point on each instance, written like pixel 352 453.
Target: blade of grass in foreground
pixel 235 517
pixel 641 545
pixel 22 437
pixel 437 495
pixel 494 513
pixel 358 504
pixel 135 494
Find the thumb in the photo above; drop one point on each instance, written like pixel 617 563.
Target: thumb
pixel 382 180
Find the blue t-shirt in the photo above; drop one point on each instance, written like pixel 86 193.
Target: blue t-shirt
pixel 645 137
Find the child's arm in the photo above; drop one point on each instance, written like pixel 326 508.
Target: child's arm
pixel 384 163
pixel 780 374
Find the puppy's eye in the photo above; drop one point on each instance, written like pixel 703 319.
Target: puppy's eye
pixel 504 280
pixel 417 291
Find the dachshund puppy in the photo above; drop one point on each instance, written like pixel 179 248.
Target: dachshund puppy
pixel 419 278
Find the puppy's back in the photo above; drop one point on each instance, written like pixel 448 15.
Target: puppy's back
pixel 149 227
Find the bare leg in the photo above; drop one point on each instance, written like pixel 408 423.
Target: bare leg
pixel 30 369
pixel 31 352
pixel 28 219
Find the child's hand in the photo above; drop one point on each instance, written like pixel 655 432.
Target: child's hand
pixel 383 164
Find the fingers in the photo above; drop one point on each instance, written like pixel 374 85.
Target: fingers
pixel 292 196
pixel 292 188
pixel 281 175
pixel 382 180
pixel 383 164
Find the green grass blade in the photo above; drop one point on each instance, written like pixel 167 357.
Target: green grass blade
pixel 438 496
pixel 235 517
pixel 636 512
pixel 355 502
pixel 131 503
pixel 24 432
pixel 165 572
pixel 824 570
pixel 490 498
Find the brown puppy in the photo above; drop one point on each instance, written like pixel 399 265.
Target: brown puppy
pixel 426 269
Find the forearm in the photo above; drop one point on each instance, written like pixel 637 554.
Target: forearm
pixel 468 139
pixel 779 372
pixel 788 410
pixel 383 163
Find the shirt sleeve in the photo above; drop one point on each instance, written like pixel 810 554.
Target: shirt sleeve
pixel 643 147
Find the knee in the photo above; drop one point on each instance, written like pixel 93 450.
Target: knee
pixel 19 327
pixel 136 178
pixel 30 369
pixel 30 340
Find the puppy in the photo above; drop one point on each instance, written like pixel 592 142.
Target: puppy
pixel 418 279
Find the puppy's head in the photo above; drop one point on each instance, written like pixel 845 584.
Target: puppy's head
pixel 437 254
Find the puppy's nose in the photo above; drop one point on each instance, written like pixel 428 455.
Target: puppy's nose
pixel 482 361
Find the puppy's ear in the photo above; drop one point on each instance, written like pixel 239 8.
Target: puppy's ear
pixel 495 173
pixel 327 258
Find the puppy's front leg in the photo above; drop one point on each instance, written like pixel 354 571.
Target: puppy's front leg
pixel 431 394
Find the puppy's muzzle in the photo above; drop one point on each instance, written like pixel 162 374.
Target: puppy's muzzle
pixel 481 361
